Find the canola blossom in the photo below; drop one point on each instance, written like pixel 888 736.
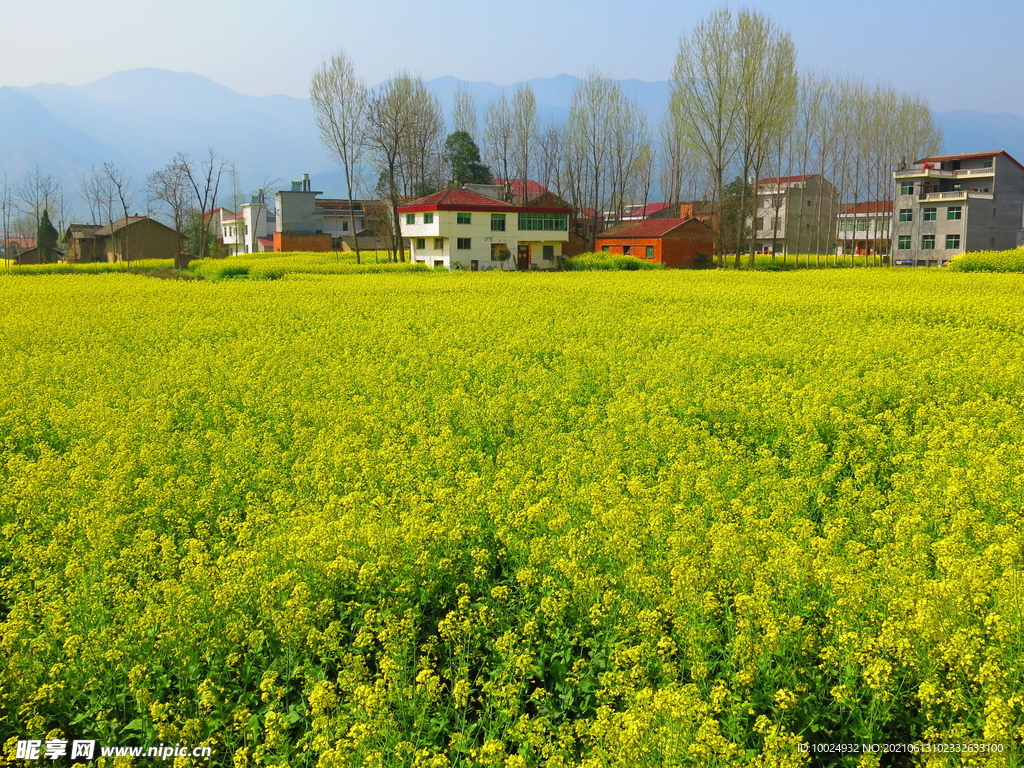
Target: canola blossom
pixel 480 519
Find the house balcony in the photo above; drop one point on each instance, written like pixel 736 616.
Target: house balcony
pixel 935 173
pixel 958 195
pixel 923 173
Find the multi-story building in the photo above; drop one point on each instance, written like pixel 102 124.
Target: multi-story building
pixel 865 229
pixel 479 232
pixel 955 203
pixel 249 230
pixel 305 223
pixel 795 214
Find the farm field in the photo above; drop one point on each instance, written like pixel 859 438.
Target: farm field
pixel 573 520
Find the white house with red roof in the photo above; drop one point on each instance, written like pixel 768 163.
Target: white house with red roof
pixel 865 229
pixel 249 230
pixel 795 214
pixel 950 204
pixel 460 228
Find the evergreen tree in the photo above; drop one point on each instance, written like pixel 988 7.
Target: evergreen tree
pixel 46 238
pixel 462 156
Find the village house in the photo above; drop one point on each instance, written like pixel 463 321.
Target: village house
pixel 251 229
pixel 460 227
pixel 865 229
pixel 955 203
pixel 306 223
pixel 127 239
pixel 674 243
pixel 795 214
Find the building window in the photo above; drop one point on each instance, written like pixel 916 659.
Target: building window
pixel 846 225
pixel 625 250
pixel 463 218
pixel 421 243
pixel 931 214
pixel 952 241
pixel 994 213
pixel 438 243
pixel 954 213
pixel 906 214
pixel 604 249
pixel 987 164
pixel 410 218
pixel 438 262
pixel 549 222
pixel 928 242
pixel 903 243
pixel 497 222
pixel 549 253
pixel 649 252
pixel 862 225
pixel 428 218
pixel 907 188
pixel 462 243
pixel 992 243
pixel 759 224
pixel 344 226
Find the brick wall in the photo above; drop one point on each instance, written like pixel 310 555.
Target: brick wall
pixel 286 242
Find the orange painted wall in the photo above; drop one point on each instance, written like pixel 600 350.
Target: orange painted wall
pixel 678 249
pixel 286 242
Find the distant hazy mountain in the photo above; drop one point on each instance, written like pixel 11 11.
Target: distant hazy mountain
pixel 140 118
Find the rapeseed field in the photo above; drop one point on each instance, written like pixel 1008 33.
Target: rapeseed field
pixel 574 520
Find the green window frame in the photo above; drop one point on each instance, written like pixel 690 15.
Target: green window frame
pixel 928 242
pixel 952 241
pixel 421 243
pixel 903 242
pixel 930 214
pixel 907 188
pixel 463 243
pixel 906 214
pixel 497 222
pixel 410 218
pixel 549 252
pixel 604 249
pixel 649 252
pixel 428 218
pixel 954 213
pixel 544 222
pixel 463 218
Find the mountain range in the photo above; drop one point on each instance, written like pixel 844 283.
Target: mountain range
pixel 140 118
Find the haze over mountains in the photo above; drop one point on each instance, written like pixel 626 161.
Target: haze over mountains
pixel 139 118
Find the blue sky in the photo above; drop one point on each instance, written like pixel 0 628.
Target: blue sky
pixel 959 55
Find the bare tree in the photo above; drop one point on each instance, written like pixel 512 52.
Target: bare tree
pixel 404 128
pixel 119 185
pixel 202 177
pixel 99 196
pixel 550 159
pixel 525 126
pixel 704 99
pixel 499 139
pixel 766 66
pixel 169 189
pixel 38 192
pixel 340 100
pixel 464 112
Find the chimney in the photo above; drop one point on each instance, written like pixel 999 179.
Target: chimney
pixel 305 183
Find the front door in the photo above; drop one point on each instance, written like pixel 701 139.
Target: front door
pixel 523 262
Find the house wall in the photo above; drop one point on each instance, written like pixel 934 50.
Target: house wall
pixel 686 248
pixel 482 239
pixel 284 242
pixel 83 249
pixel 297 213
pixel 142 239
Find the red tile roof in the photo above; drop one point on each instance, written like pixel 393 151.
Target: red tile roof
pixel 267 241
pixel 787 179
pixel 232 218
pixel 872 206
pixel 643 211
pixel 974 156
pixel 533 188
pixel 466 200
pixel 645 228
pixel 456 197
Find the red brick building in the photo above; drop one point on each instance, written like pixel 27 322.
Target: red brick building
pixel 675 243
